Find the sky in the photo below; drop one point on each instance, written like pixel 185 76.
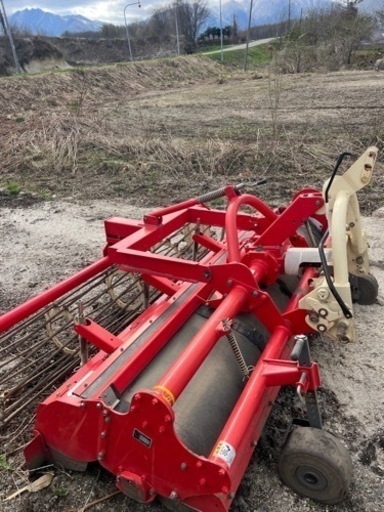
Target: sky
pixel 110 11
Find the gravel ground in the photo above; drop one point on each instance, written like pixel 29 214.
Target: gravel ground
pixel 47 241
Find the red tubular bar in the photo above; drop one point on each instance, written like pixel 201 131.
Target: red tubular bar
pixel 182 371
pixel 146 353
pixel 248 417
pixel 245 222
pixel 244 426
pixel 40 301
pixel 231 221
pixel 244 411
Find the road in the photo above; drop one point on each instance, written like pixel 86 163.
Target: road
pixel 241 46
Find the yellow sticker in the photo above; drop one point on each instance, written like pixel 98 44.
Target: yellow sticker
pixel 166 393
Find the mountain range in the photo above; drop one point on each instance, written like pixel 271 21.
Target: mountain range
pixel 273 11
pixel 37 21
pixel 264 11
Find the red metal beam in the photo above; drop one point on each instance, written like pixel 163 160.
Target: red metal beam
pixel 287 224
pixel 181 372
pixel 40 301
pixel 98 336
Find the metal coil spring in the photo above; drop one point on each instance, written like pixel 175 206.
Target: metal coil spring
pixel 215 194
pixel 239 356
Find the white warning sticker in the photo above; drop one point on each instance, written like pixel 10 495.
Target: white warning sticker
pixel 225 452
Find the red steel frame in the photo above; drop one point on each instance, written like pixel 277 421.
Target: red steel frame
pixel 77 421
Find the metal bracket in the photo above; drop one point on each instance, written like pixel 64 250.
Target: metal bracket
pixel 301 353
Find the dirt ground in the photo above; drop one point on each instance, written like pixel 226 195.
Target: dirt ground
pixel 44 241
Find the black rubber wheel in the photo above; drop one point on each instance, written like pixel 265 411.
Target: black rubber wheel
pixel 315 464
pixel 364 289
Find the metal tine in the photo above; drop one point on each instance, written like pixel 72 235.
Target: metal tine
pixel 67 324
pixel 41 376
pixel 13 331
pixel 37 330
pixel 74 296
pixel 40 370
pixel 24 403
pixel 86 287
pixel 48 355
pixel 37 346
pixel 35 381
pixel 54 351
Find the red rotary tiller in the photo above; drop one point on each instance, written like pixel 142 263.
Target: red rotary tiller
pixel 174 403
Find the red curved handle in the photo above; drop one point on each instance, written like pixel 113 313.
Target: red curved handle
pixel 231 221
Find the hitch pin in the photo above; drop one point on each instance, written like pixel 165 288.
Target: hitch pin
pixel 300 387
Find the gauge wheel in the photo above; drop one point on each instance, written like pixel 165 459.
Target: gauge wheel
pixel 315 464
pixel 364 289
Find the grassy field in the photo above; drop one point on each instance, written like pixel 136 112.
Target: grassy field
pixel 258 56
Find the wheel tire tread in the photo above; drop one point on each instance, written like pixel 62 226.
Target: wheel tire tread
pixel 322 450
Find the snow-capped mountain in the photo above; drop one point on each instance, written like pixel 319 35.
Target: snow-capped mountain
pixel 37 21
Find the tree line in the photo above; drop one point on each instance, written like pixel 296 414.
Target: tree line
pixel 331 35
pixel 183 18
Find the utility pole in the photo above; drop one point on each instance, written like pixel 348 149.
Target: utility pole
pixel 248 34
pixel 177 31
pixel 221 35
pixel 7 31
pixel 289 16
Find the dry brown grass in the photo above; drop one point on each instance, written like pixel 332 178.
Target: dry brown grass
pixel 162 131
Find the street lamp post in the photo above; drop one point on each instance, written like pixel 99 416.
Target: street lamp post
pixel 9 34
pixel 126 28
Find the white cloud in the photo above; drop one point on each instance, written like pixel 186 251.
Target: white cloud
pixel 111 11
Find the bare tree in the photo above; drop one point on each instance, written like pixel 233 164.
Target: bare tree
pixel 379 17
pixel 191 17
pixel 341 28
pixel 160 23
